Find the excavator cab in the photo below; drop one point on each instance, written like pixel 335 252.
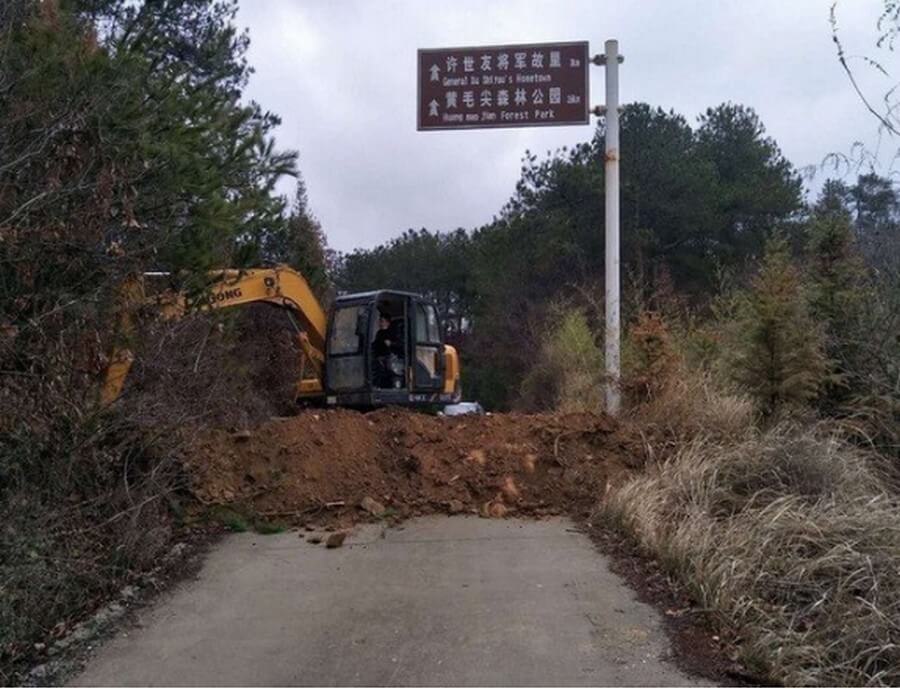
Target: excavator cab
pixel 387 347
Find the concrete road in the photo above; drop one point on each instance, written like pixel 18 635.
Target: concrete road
pixel 441 601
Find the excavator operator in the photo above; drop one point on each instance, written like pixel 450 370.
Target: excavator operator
pixel 387 351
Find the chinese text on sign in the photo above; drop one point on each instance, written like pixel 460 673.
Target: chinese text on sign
pixel 503 86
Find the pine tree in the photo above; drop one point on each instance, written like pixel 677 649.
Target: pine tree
pixel 838 295
pixel 837 275
pixel 776 351
pixel 835 198
pixel 300 242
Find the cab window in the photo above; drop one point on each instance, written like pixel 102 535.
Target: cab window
pixel 427 329
pixel 348 330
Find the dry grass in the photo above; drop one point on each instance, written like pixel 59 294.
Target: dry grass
pixel 687 406
pixel 791 538
pixel 791 535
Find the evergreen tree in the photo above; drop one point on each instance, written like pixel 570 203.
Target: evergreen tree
pixel 836 295
pixel 834 199
pixel 300 243
pixel 129 147
pixel 757 187
pixel 836 271
pixel 776 350
pixel 875 204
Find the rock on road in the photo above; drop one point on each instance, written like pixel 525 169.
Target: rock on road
pixel 439 601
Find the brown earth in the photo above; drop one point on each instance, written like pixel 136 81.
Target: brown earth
pixel 336 467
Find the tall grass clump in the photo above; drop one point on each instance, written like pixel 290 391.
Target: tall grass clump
pixel 791 539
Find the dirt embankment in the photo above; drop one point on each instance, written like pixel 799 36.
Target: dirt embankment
pixel 338 466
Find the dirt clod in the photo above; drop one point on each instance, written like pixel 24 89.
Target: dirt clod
pixel 373 507
pixel 493 509
pixel 529 462
pixel 509 489
pixel 336 540
pixel 478 457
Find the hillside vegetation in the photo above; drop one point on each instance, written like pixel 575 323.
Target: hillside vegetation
pixel 125 146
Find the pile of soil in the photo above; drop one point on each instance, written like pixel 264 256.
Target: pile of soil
pixel 339 466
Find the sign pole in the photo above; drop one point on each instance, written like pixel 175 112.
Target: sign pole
pixel 611 61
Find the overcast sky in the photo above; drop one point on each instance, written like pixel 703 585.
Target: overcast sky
pixel 341 74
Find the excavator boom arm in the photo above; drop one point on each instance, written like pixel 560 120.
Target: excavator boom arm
pixel 282 286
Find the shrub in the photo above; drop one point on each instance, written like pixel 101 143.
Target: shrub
pixel 86 502
pixel 229 368
pixel 670 400
pixel 568 375
pixel 870 364
pixel 101 179
pixel 649 358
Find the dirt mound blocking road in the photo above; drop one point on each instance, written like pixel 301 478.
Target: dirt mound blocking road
pixel 338 466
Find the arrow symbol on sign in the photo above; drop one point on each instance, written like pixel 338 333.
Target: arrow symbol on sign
pixel 432 108
pixel 434 72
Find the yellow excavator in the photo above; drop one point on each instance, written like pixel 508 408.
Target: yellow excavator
pixel 374 348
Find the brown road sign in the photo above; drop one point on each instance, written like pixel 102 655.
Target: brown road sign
pixel 503 86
